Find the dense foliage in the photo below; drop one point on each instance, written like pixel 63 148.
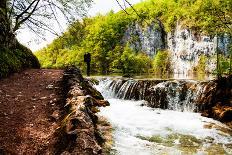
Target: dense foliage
pixel 16 59
pixel 162 63
pixel 102 36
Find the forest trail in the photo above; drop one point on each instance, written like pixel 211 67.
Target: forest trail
pixel 29 111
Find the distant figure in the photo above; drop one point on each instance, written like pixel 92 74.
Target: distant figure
pixel 87 59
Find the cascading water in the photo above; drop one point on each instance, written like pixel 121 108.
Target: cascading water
pixel 142 130
pixel 181 95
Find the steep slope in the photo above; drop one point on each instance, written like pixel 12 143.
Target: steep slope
pixel 16 58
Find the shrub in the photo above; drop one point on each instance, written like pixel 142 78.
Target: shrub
pixel 134 63
pixel 201 65
pixel 162 63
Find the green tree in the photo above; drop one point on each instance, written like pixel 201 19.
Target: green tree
pixel 162 63
pixel 35 14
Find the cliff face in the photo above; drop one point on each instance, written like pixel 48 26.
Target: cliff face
pixel 147 39
pixel 185 45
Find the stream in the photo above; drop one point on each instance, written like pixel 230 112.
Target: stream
pixel 142 130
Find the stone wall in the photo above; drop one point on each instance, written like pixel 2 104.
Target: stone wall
pixel 79 133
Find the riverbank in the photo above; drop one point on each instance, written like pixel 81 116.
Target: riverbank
pixel 49 112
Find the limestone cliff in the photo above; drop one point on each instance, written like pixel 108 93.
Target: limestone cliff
pixel 185 45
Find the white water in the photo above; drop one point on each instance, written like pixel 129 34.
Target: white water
pixel 135 124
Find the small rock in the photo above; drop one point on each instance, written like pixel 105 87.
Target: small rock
pixel 43 98
pixel 51 95
pixel 50 86
pixel 55 115
pixel 33 99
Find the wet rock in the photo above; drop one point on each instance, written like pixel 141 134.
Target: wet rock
pixel 80 124
pixel 226 115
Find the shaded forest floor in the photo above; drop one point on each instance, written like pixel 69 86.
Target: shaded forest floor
pixel 29 111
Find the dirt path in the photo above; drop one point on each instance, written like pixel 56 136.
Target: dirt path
pixel 29 111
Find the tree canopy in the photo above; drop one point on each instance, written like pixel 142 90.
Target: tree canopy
pixel 36 14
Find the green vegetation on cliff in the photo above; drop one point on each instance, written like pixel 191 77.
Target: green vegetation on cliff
pixel 15 59
pixel 162 63
pixel 102 35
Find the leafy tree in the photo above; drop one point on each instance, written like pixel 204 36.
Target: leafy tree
pixel 162 63
pixel 128 60
pixel 35 14
pixel 201 66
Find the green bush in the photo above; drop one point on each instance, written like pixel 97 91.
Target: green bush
pixel 162 63
pixel 201 65
pixel 134 63
pixel 224 65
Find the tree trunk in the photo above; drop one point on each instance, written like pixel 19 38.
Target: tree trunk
pixel 230 54
pixel 2 22
pixel 7 38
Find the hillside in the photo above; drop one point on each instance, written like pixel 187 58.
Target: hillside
pixel 127 42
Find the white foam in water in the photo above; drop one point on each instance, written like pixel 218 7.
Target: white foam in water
pixel 132 121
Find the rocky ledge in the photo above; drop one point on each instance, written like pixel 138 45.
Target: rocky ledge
pixel 217 102
pixel 79 131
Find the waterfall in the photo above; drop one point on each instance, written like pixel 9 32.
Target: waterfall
pixel 178 95
pixel 144 130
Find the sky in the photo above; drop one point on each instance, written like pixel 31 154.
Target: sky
pixel 99 6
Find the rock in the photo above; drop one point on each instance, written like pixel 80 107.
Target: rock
pixel 50 86
pixel 43 98
pixel 226 115
pixel 51 95
pixel 55 115
pixel 80 122
pixel 33 99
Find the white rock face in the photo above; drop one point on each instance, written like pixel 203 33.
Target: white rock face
pixel 148 40
pixel 186 49
pixel 186 46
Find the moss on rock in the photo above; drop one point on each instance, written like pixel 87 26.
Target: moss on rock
pixel 15 59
